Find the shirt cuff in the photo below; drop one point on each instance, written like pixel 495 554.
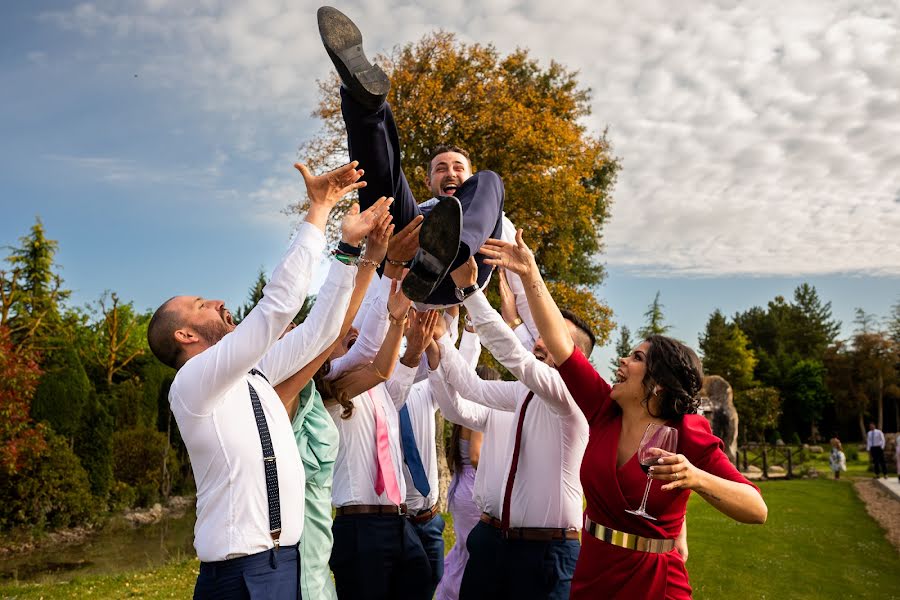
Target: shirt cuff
pixel 477 304
pixel 404 375
pixel 310 235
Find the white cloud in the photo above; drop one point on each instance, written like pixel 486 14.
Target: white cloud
pixel 757 138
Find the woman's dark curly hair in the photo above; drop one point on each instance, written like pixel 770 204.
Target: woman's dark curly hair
pixel 677 370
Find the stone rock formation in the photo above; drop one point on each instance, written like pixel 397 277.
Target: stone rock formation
pixel 717 405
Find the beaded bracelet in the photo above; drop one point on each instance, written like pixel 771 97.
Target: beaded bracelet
pixel 398 263
pixel 348 249
pixel 367 262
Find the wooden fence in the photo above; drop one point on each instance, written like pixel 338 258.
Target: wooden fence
pixel 768 461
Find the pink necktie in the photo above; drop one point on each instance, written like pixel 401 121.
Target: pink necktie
pixel 385 477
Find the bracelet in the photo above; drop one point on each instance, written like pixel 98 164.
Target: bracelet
pixel 367 261
pixel 397 321
pixel 348 249
pixel 398 263
pixel 343 258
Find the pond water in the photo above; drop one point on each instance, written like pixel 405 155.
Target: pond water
pixel 118 547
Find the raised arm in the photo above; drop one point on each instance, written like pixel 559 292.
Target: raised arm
pixel 455 409
pixel 519 259
pixel 418 336
pixel 202 380
pixel 502 395
pixel 358 380
pixel 499 339
pixel 376 246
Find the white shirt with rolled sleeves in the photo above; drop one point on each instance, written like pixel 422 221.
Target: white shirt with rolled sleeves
pixel 422 406
pixel 355 468
pixel 210 400
pixel 496 425
pixel 547 490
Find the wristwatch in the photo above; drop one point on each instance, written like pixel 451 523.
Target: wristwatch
pixel 463 293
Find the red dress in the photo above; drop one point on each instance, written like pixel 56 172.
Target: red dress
pixel 607 571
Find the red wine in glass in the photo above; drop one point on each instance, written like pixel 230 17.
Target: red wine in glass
pixel 658 440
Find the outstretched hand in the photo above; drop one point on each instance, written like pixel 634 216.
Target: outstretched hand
pixel 326 189
pixel 398 304
pixel 404 243
pixel 377 240
pixel 356 225
pixel 516 257
pixel 419 334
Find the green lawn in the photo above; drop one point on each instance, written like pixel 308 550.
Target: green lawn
pixel 819 543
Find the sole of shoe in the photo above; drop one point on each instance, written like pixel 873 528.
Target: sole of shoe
pixel 438 247
pixel 343 42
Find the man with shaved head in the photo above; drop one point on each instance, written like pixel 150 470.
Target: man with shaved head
pixel 237 433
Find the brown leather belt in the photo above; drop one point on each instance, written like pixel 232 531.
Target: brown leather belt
pixel 370 509
pixel 627 540
pixel 423 516
pixel 531 534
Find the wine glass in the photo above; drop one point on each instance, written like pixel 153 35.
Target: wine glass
pixel 659 440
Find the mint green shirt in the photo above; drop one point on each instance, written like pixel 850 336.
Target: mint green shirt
pixel 317 441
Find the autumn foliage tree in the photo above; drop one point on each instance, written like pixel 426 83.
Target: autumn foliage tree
pixel 20 439
pixel 515 117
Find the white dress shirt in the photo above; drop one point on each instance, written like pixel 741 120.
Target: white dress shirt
pixel 498 427
pixel 210 400
pixel 526 332
pixel 422 406
pixel 875 438
pixel 547 489
pixel 355 469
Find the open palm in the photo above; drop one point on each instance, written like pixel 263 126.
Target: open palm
pixel 328 188
pixel 516 257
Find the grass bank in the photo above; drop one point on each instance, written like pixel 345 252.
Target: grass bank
pixel 819 543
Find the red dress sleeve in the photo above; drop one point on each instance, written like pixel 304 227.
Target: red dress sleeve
pixel 706 451
pixel 588 389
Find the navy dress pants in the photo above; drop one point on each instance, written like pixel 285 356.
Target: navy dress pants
pixel 378 557
pixel 266 575
pixel 372 139
pixel 513 569
pixel 431 534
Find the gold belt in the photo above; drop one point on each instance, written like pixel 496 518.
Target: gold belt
pixel 626 540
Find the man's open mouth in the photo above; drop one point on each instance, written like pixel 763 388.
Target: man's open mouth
pixel 449 189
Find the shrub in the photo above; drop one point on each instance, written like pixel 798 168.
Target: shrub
pixel 121 496
pixel 93 445
pixel 851 452
pixel 53 492
pixel 137 461
pixel 795 439
pixel 63 392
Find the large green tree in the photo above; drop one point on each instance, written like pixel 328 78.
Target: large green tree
pixel 726 352
pixel 32 292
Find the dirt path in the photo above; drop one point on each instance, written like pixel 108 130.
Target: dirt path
pixel 883 507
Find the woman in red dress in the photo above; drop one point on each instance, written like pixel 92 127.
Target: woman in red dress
pixel 624 555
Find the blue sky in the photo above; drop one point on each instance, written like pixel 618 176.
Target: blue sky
pixel 155 139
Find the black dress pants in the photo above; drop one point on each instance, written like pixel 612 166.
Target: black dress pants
pixel 379 557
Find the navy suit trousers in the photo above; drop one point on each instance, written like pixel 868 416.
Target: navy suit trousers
pixel 372 139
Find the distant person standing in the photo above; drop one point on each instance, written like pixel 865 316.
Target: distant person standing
pixel 875 446
pixel 897 454
pixel 837 460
